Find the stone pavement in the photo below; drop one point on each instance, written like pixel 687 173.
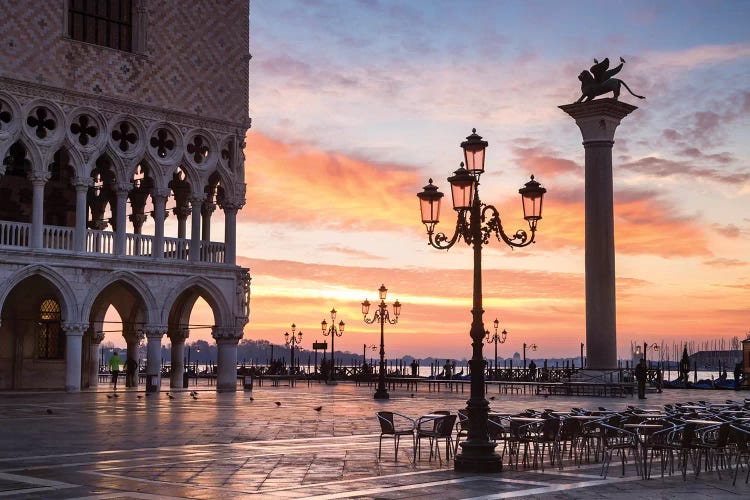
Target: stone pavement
pixel 243 445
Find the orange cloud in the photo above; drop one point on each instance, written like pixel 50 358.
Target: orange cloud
pixel 307 186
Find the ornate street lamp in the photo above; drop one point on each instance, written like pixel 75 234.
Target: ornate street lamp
pixel 291 341
pixel 476 223
pixel 333 332
pixel 496 338
pixel 364 354
pixel 381 315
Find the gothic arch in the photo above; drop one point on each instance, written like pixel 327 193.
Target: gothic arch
pixel 205 289
pixel 128 278
pixel 69 304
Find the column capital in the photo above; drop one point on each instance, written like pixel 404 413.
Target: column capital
pixel 599 118
pixel 38 178
pixel 197 199
pixel 182 212
pixel 82 183
pixel 179 334
pixel 227 334
pixel 75 329
pixel 123 188
pixel 155 331
pixel 208 209
pixel 138 219
pixel 231 206
pixel 160 194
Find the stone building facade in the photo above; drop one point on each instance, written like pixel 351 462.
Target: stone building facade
pixel 122 126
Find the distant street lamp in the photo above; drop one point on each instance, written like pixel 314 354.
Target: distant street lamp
pixel 476 223
pixel 654 347
pixel 364 352
pixel 291 341
pixel 496 338
pixel 333 332
pixel 532 347
pixel 381 315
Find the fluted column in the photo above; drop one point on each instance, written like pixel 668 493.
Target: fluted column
pixel 195 233
pixel 73 350
pixel 598 120
pixel 123 189
pixel 154 333
pixel 81 185
pixel 226 347
pixel 95 351
pixel 177 357
pixel 159 199
pixel 38 180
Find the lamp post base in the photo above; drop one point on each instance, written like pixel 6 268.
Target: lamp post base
pixel 381 394
pixel 478 457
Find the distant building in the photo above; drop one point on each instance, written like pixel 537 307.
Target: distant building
pixel 713 360
pixel 115 118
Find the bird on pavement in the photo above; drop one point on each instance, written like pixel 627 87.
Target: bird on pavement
pixel 252 398
pixel 277 403
pixel 318 408
pixel 109 396
pixel 139 396
pixel 116 395
pixel 49 411
pixel 170 396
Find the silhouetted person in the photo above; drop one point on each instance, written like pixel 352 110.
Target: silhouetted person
pixel 532 370
pixel 414 368
pixel 448 369
pixel 737 375
pixel 640 376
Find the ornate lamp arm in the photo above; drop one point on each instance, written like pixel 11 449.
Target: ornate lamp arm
pixel 492 224
pixel 442 242
pixel 375 318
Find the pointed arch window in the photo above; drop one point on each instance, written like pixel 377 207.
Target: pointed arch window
pixel 50 337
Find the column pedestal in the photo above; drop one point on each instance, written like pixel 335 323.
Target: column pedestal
pixel 73 351
pixel 178 363
pixel 226 346
pixel 598 120
pixel 153 350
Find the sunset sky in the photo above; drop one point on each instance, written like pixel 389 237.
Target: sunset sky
pixel 356 104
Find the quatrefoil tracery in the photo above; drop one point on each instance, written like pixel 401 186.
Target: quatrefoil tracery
pixel 198 148
pixel 125 136
pixel 83 129
pixel 39 121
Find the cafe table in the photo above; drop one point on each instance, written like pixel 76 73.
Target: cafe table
pixel 643 431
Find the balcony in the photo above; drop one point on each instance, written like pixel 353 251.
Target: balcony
pixel 61 239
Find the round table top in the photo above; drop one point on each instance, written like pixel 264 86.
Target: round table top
pixel 644 426
pixel 527 419
pixel 703 422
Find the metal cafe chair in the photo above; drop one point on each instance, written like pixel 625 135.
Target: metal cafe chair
pixel 395 425
pixel 435 429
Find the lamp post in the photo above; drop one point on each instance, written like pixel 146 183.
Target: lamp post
pixel 654 347
pixel 291 341
pixel 532 347
pixel 476 223
pixel 496 338
pixel 381 315
pixel 333 332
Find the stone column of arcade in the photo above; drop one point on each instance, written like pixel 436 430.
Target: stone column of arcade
pixel 38 180
pixel 153 353
pixel 196 202
pixel 94 349
pixel 177 366
pixel 159 199
pixel 81 185
pixel 123 188
pixel 226 346
pixel 73 348
pixel 598 120
pixel 132 340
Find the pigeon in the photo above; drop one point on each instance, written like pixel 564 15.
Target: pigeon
pixel 49 411
pixel 492 397
pixel 277 403
pixel 140 396
pixel 170 396
pixel 252 398
pixel 116 395
pixel 318 408
pixel 109 396
pixel 194 396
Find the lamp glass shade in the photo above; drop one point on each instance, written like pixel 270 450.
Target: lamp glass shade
pixel 429 204
pixel 324 325
pixel 532 195
pixel 496 323
pixel 365 307
pixel 397 308
pixel 294 328
pixel 382 292
pixel 333 314
pixel 474 148
pixel 462 188
pixel 341 326
pixel 286 337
